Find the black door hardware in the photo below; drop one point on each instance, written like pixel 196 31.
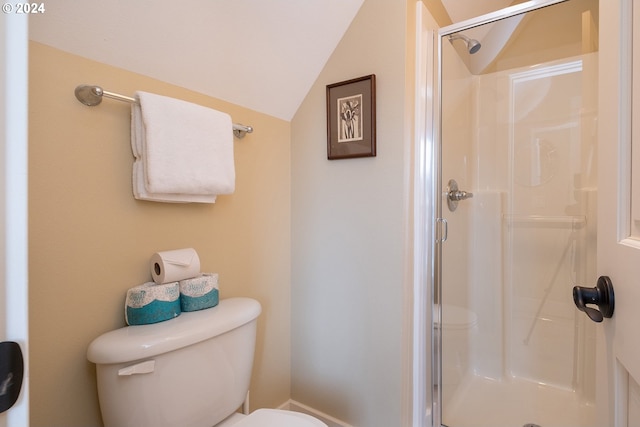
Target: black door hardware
pixel 601 296
pixel 11 373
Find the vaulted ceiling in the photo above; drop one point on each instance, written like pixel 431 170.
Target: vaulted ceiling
pixel 460 10
pixel 263 55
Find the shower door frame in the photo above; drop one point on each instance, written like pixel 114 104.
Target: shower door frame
pixel 432 185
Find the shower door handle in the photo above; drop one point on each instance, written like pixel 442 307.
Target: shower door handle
pixel 602 296
pixel 454 195
pixel 459 195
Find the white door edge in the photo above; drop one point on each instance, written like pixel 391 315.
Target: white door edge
pixel 14 118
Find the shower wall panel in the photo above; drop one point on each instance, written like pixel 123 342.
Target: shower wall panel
pixel 535 144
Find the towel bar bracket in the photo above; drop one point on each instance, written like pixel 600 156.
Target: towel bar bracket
pixel 241 130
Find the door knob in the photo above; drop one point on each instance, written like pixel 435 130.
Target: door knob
pixel 601 296
pixel 11 374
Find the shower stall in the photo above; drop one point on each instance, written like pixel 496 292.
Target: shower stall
pixel 517 122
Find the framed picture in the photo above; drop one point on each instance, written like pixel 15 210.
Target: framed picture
pixel 351 118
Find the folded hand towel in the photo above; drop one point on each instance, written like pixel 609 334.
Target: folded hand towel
pixel 183 151
pixel 140 192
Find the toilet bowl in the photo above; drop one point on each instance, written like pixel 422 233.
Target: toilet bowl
pixel 191 371
pixel 275 418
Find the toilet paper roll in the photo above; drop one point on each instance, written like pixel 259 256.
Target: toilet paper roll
pixel 152 303
pixel 199 292
pixel 176 265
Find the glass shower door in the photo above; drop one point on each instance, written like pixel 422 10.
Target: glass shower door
pixel 518 171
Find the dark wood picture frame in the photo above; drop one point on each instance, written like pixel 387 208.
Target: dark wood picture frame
pixel 351 118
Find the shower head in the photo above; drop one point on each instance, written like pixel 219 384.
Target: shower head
pixel 473 45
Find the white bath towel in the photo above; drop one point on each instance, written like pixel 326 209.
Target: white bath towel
pixel 183 151
pixel 140 191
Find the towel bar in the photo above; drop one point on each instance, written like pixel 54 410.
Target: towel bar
pixel 92 96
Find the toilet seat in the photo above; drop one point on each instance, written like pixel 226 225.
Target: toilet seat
pixel 278 418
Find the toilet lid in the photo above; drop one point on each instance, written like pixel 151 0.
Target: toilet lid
pixel 279 418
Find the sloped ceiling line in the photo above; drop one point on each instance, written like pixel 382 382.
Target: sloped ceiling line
pixel 262 55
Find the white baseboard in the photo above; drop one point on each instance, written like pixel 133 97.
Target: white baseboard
pixel 330 421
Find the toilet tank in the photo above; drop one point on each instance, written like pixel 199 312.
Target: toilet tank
pixel 191 371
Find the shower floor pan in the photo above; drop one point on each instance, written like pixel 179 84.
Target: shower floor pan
pixel 481 402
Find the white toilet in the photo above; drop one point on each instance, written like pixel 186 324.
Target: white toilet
pixel 191 371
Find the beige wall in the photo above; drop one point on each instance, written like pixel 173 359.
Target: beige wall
pixel 90 240
pixel 348 233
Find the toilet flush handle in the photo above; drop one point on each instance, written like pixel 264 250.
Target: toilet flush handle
pixel 145 367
